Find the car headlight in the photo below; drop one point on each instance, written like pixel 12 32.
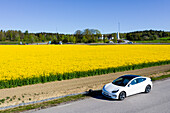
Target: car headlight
pixel 115 91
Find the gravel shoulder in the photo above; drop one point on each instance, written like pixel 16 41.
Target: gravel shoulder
pixel 60 88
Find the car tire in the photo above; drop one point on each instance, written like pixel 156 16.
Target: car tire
pixel 122 95
pixel 147 89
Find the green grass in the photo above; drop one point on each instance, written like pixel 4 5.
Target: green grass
pixel 9 42
pixel 165 38
pixel 45 104
pixel 160 77
pixel 160 40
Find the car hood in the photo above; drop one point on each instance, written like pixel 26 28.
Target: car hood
pixel 111 87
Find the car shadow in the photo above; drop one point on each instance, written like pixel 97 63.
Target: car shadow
pixel 98 95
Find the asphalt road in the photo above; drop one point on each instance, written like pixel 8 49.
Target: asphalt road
pixel 157 101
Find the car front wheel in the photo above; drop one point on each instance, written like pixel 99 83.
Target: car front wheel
pixel 122 95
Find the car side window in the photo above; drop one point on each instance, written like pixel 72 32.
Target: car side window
pixel 139 80
pixel 133 82
pixel 125 81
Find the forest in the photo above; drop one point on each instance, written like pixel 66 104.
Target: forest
pixel 146 35
pixel 80 36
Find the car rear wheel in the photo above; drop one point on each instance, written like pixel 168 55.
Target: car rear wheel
pixel 147 89
pixel 122 95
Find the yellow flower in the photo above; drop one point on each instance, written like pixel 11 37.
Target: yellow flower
pixel 18 61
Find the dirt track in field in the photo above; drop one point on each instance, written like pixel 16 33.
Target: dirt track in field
pixel 59 88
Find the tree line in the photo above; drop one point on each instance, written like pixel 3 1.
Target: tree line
pixel 25 37
pixel 80 36
pixel 146 35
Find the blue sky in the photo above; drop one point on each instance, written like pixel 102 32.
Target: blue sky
pixel 67 16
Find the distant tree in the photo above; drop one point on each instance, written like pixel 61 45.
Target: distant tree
pixel 2 36
pixel 78 35
pixel 21 35
pixel 65 39
pixel 17 38
pixel 105 39
pixel 40 37
pixel 62 38
pixel 43 38
pixel 26 32
pixel 84 39
pixel 36 38
pixel 26 39
pixel 146 38
pixel 31 38
pixel 97 32
pixel 78 32
pixel 155 37
pixel 49 37
pixel 11 36
pixel 71 38
pixel 115 39
pixel 87 32
pixel 74 39
pixel 93 38
pixel 54 41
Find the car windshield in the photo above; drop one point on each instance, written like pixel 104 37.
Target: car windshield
pixel 121 81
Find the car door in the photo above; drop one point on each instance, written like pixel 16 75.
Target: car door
pixel 133 87
pixel 141 85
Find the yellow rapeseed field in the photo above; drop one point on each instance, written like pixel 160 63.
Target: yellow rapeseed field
pixel 22 61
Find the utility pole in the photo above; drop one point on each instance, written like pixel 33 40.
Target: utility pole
pixel 118 31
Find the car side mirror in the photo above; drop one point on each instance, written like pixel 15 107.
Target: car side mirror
pixel 129 85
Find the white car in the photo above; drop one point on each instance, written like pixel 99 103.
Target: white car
pixel 127 85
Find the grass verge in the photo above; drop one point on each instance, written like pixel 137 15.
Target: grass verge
pixel 160 77
pixel 45 104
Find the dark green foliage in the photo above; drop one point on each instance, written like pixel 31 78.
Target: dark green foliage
pixel 2 100
pixel 65 76
pixel 146 35
pixel 7 98
pixel 55 41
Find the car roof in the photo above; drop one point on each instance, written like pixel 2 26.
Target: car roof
pixel 130 76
